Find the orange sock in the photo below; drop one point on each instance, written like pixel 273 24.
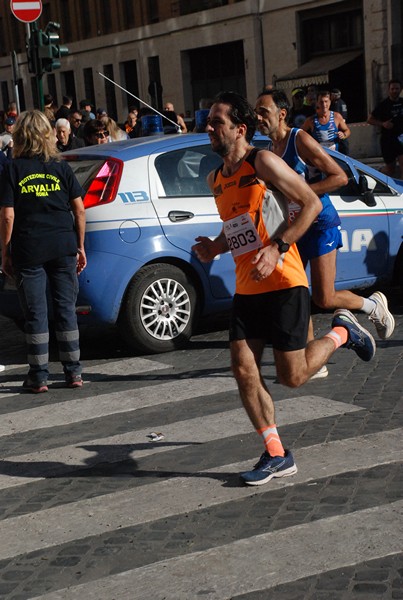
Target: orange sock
pixel 271 440
pixel 338 335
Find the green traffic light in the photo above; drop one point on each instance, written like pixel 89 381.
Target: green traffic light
pixel 48 48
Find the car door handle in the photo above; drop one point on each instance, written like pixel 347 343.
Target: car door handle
pixel 179 215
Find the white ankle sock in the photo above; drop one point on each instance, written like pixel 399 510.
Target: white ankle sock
pixel 368 305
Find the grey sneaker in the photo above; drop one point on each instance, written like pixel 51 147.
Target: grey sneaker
pixel 381 316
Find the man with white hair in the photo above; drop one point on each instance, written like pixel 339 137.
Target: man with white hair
pixel 66 140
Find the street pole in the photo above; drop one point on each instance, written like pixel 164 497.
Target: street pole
pixel 16 77
pixel 33 27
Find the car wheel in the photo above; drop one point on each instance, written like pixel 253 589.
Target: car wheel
pixel 159 309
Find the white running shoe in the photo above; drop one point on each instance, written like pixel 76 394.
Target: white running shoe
pixel 321 374
pixel 381 316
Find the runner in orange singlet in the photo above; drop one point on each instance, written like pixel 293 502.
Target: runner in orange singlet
pixel 271 303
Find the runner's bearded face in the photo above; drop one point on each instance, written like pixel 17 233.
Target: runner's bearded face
pixel 221 130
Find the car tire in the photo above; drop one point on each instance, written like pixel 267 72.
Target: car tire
pixel 159 309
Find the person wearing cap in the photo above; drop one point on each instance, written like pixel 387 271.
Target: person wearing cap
pixel 85 105
pixel 101 112
pixel 299 111
pixel 6 138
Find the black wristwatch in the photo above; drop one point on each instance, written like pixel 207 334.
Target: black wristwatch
pixel 282 246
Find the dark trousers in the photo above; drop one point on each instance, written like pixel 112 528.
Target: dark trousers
pixel 32 282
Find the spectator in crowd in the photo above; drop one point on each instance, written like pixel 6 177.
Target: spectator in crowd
pixel 326 126
pixel 131 121
pixel 116 134
pixel 66 140
pixel 86 105
pixel 49 108
pixel 42 245
pixel 65 108
pixel 169 107
pixel 337 104
pixel 6 138
pixel 138 129
pixel 311 96
pixel 299 111
pixel 76 123
pixel 101 112
pixel 388 115
pixel 199 122
pixel 94 133
pixel 12 110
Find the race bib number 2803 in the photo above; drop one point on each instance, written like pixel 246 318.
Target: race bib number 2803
pixel 242 235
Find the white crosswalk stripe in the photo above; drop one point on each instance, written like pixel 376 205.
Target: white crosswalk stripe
pixel 215 573
pixel 202 429
pixel 219 571
pixel 95 516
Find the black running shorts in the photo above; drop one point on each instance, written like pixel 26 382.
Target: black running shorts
pixel 279 318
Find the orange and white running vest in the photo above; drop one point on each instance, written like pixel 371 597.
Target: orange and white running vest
pixel 252 215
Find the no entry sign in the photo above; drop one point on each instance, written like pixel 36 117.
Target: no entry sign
pixel 26 11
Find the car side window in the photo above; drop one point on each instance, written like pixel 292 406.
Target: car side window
pixel 380 188
pixel 184 172
pixel 351 188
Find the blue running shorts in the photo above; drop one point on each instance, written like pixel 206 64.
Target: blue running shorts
pixel 318 242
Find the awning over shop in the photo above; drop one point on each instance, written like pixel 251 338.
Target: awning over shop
pixel 317 70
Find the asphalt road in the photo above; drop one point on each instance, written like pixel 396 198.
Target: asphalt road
pixel 92 509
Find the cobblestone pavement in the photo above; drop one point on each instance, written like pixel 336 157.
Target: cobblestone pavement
pixel 90 508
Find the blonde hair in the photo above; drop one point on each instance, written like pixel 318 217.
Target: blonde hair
pixel 34 137
pixel 115 132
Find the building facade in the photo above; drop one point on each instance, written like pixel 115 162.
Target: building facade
pixel 185 50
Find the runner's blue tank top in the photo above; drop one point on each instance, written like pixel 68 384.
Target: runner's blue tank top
pixel 326 134
pixel 328 217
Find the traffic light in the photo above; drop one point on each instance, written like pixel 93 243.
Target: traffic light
pixel 49 50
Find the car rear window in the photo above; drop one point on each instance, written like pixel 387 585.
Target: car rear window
pixel 86 171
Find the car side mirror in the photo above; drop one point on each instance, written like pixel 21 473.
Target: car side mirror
pixel 366 185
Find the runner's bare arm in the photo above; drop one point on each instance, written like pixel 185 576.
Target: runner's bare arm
pixel 315 155
pixel 344 130
pixel 274 171
pixel 206 249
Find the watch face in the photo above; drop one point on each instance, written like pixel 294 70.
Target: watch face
pixel 282 246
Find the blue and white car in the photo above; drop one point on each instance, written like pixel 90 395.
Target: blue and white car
pixel 147 200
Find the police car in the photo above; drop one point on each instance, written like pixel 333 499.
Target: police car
pixel 147 200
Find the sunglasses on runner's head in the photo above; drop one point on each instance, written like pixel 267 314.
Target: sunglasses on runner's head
pixel 102 134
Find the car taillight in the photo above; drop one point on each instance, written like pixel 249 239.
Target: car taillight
pixel 104 186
